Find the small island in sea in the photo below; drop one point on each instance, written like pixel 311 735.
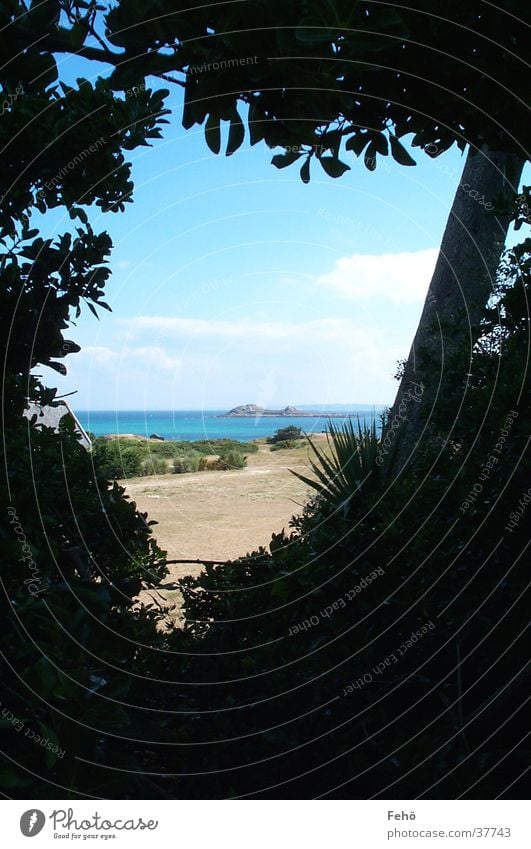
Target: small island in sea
pixel 245 411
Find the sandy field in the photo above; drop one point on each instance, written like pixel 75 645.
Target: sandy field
pixel 222 515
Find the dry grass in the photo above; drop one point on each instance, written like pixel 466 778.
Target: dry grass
pixel 222 515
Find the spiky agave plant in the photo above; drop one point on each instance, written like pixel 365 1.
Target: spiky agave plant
pixel 354 466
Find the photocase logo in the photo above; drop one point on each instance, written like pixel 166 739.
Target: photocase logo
pixel 32 822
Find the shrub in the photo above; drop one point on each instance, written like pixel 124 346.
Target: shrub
pixel 285 434
pixel 155 466
pixel 354 467
pixel 164 449
pixel 231 460
pixel 287 444
pixel 221 446
pixel 114 460
pixel 186 463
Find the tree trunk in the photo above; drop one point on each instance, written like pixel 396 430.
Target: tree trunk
pixel 461 285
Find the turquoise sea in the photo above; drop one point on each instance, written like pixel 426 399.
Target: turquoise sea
pixel 202 424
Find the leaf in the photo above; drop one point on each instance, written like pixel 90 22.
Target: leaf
pixel 256 122
pixel 48 733
pixel 213 133
pixel 305 171
pixel 78 34
pixel 77 212
pixel 189 117
pixel 236 134
pixel 399 152
pixel 280 589
pixel 60 367
pixel 333 167
pixel 44 676
pixel 67 89
pixel 357 143
pixel 380 143
pixel 282 160
pixel 314 35
pixel 370 157
pixel 30 234
pixel 10 778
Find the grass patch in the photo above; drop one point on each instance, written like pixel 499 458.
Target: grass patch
pixel 136 457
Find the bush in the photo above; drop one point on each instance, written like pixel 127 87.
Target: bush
pixel 221 446
pixel 164 449
pixel 91 552
pixel 353 467
pixel 114 460
pixel 186 463
pixel 285 434
pixel 287 444
pixel 155 466
pixel 231 460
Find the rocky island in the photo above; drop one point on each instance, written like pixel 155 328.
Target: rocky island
pixel 245 411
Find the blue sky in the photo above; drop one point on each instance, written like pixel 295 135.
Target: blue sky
pixel 233 282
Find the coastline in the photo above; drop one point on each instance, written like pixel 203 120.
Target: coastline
pixel 194 425
pixel 300 414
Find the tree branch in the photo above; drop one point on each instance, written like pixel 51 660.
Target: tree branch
pixel 55 44
pixel 170 79
pixel 201 562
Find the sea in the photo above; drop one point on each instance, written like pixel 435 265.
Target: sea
pixel 191 425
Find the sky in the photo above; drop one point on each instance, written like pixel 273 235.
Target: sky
pixel 233 282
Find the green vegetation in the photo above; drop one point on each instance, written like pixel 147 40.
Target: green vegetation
pixel 116 461
pixel 189 461
pixel 286 434
pixel 232 460
pixel 127 458
pixel 287 444
pixel 286 437
pixel 353 468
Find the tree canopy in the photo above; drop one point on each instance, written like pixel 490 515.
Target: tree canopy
pixel 318 78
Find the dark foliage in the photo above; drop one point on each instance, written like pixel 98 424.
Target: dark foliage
pixel 308 643
pixel 286 434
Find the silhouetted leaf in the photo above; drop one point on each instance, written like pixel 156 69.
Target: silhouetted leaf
pixel 213 133
pixel 282 160
pixel 400 153
pixel 236 134
pixel 333 167
pixel 357 143
pixel 370 157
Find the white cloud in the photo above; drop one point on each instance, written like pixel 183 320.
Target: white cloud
pixel 323 329
pixel 154 356
pixel 190 363
pixel 399 278
pixel 99 355
pixel 149 355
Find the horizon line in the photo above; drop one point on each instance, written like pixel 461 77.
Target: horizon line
pixel 210 409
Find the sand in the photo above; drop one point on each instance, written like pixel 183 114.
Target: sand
pixel 222 515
